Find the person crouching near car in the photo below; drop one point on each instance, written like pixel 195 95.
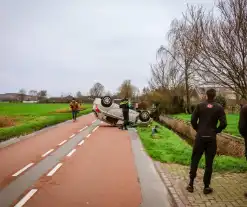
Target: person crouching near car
pixel 124 104
pixel 74 105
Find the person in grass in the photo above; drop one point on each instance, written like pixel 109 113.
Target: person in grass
pixel 242 127
pixel 74 105
pixel 204 120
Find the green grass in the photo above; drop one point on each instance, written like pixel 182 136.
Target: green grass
pixel 168 147
pixel 232 122
pixel 32 117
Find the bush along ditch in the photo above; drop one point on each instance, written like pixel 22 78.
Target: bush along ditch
pixel 166 146
pixel 227 145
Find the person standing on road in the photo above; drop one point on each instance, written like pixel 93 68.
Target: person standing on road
pixel 74 108
pixel 124 104
pixel 208 113
pixel 242 127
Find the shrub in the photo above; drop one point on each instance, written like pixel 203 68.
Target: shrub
pixel 221 100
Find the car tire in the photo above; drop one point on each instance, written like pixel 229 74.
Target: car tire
pixel 144 116
pixel 106 101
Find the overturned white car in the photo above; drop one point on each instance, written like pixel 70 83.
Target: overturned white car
pixel 106 109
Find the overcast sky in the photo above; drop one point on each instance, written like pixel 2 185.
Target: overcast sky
pixel 67 45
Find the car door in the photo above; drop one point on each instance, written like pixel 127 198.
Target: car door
pixel 133 115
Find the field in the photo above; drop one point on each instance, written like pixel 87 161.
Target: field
pixel 232 122
pixel 19 119
pixel 168 147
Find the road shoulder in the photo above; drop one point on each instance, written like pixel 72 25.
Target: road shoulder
pixel 153 190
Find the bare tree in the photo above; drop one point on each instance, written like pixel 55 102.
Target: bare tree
pixel 165 73
pixel 185 36
pixel 42 95
pixel 145 90
pixel 33 93
pixel 223 56
pixel 97 90
pixel 158 75
pixel 22 94
pixel 78 94
pixel 127 89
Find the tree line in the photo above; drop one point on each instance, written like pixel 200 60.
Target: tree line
pixel 126 89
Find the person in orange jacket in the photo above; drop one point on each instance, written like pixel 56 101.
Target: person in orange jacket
pixel 74 105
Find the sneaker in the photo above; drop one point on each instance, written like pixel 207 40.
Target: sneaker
pixel 190 188
pixel 207 190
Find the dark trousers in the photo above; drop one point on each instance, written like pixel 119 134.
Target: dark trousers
pixel 74 114
pixel 126 118
pixel 201 145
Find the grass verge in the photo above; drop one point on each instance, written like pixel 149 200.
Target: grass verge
pixel 168 147
pixel 29 122
pixel 232 122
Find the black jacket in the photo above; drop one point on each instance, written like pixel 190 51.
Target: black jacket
pixel 208 114
pixel 242 124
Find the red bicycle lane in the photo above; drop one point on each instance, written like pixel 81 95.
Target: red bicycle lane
pixel 101 172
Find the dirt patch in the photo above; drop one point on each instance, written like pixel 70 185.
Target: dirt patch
pixel 6 121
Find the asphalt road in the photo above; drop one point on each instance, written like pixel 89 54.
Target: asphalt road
pixel 86 163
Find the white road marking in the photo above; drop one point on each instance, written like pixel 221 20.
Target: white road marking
pixel 81 143
pixel 54 169
pixel 71 153
pixel 23 169
pixel 88 135
pixel 72 136
pixel 26 198
pixel 94 121
pixel 95 128
pixel 47 153
pixel 62 142
pixel 83 128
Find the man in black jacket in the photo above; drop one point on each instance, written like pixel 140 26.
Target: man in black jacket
pixel 208 113
pixel 242 127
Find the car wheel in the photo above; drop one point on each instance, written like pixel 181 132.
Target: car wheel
pixel 106 101
pixel 144 116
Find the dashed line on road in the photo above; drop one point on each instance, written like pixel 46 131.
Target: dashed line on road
pixel 94 121
pixel 62 142
pixel 72 136
pixel 23 169
pixel 81 143
pixel 95 128
pixel 83 129
pixel 26 198
pixel 54 169
pixel 71 153
pixel 47 153
pixel 88 135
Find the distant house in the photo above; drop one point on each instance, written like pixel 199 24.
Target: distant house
pixel 199 93
pixel 8 97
